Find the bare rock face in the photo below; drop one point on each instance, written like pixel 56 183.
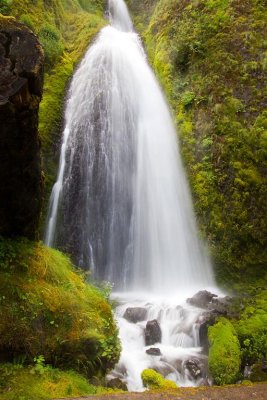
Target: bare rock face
pixel 21 86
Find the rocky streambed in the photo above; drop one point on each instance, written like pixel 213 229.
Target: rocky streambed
pixel 168 335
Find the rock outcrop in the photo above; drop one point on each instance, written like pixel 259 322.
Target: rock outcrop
pixel 21 86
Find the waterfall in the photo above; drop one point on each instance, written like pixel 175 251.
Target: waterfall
pixel 121 204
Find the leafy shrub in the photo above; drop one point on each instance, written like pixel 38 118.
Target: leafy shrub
pixel 224 352
pixel 153 380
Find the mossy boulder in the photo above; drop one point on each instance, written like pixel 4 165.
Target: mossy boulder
pixel 153 380
pixel 224 353
pixel 46 308
pixel 21 87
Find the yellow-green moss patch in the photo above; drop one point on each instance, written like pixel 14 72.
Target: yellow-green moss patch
pixel 48 309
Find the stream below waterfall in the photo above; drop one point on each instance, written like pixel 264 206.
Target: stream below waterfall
pixel 165 334
pixel 121 206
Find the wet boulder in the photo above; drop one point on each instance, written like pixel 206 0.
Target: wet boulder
pixel 163 368
pixel 21 87
pixel 204 321
pixel 117 383
pixel 221 305
pixel 217 308
pixel 194 366
pixel 135 314
pixel 201 299
pixel 152 333
pixel 153 351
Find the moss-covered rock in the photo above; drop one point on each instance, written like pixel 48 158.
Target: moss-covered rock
pixel 153 380
pixel 21 87
pixel 46 308
pixel 224 352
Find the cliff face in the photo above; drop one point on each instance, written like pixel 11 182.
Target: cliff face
pixel 21 85
pixel 211 58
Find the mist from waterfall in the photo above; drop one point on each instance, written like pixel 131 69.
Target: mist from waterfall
pixel 121 204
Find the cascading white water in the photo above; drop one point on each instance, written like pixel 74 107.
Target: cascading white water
pixel 121 200
pixel 121 204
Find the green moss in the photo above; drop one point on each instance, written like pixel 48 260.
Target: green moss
pixel 5 7
pixel 251 327
pixel 210 58
pixel 26 20
pixel 224 352
pixel 46 308
pixel 153 380
pixel 53 47
pixel 21 383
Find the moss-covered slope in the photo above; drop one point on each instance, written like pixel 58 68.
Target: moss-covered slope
pixel 42 382
pixel 210 56
pixel 46 308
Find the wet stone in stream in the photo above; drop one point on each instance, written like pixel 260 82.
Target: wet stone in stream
pixel 152 333
pixel 135 314
pixel 153 351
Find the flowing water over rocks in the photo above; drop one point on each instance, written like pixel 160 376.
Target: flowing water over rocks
pixel 121 206
pixel 165 334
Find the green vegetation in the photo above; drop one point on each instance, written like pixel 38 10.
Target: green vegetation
pixel 46 308
pixel 54 325
pixel 251 327
pixel 153 380
pixel 210 56
pixel 39 382
pixel 224 352
pixel 5 7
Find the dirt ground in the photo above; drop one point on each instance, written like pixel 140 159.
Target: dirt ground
pixel 233 392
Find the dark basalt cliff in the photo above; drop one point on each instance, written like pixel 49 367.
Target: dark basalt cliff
pixel 21 86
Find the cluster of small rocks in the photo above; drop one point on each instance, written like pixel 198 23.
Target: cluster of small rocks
pixel 152 330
